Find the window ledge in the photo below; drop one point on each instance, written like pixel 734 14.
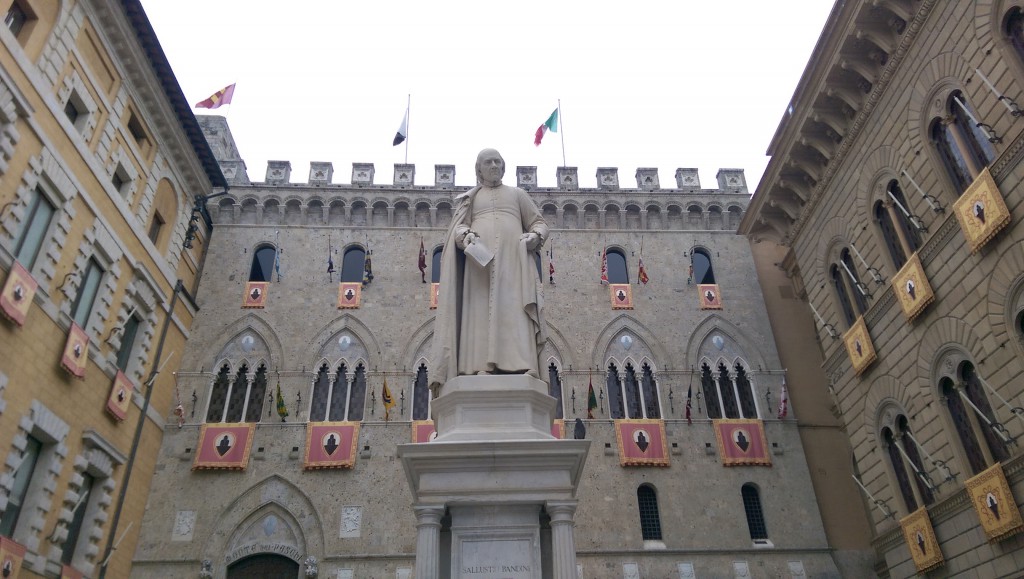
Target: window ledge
pixel 654 546
pixel 763 544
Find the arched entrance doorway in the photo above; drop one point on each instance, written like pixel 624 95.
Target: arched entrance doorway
pixel 263 566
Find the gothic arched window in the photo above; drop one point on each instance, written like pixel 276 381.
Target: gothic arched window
pixel 976 394
pixel 883 218
pixel 649 389
pixel 555 389
pixel 357 394
pixel 421 395
pixel 632 392
pixel 962 146
pixel 262 263
pixel 842 295
pixel 962 423
pixel 899 470
pixel 617 270
pixel 702 270
pixel 615 406
pixel 725 389
pixel 747 404
pixel 906 438
pixel 707 383
pixel 352 264
pixel 1014 30
pixel 231 400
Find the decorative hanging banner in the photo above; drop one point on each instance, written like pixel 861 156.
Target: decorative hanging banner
pixel 423 431
pixel 348 294
pixel 435 290
pixel 621 295
pixel 17 294
pixel 223 446
pixel 741 442
pixel 558 429
pixel 912 288
pixel 120 396
pixel 255 294
pixel 11 556
pixel 69 572
pixel 920 538
pixel 76 351
pixel 990 494
pixel 859 346
pixel 981 211
pixel 641 442
pixel 710 296
pixel 331 445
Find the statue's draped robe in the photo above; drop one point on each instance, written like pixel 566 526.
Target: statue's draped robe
pixel 489 319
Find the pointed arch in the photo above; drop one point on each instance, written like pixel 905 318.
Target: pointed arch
pixel 940 337
pixel 419 345
pixel 355 326
pixel 702 334
pixel 625 322
pixel 885 390
pixel 258 326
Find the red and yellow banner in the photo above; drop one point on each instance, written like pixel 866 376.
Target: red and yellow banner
pixel 710 296
pixel 11 556
pixel 990 494
pixel 981 211
pixel 435 290
pixel 558 429
pixel 621 295
pixel 224 446
pixel 920 538
pixel 423 431
pixel 349 293
pixel 120 397
pixel 16 297
pixel 859 346
pixel 641 442
pixel 912 288
pixel 76 351
pixel 255 294
pixel 742 442
pixel 69 572
pixel 331 445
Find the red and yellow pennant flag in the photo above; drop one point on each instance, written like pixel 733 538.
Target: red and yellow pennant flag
pixel 387 399
pixel 221 97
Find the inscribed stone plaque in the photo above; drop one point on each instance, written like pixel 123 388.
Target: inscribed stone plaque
pixel 184 525
pixel 497 559
pixel 686 571
pixel 346 574
pixel 630 571
pixel 351 522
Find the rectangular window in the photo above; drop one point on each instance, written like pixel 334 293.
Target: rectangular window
pixel 87 291
pixel 138 132
pixel 72 112
pixel 15 19
pixel 19 490
pixel 124 355
pixel 155 226
pixel 119 179
pixel 77 518
pixel 37 223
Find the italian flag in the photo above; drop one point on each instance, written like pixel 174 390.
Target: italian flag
pixel 549 125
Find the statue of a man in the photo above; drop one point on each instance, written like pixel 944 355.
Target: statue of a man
pixel 489 316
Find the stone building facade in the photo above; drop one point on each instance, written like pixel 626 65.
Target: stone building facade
pixel 692 518
pixel 100 158
pixel 882 206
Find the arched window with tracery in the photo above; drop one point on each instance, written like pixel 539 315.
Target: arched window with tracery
pixel 963 426
pixel 612 385
pixel 983 415
pixel 352 264
pixel 707 383
pixel 913 454
pixel 321 395
pixel 421 395
pixel 649 390
pixel 219 395
pixel 357 394
pixel 1014 31
pixel 748 405
pixel 650 519
pixel 963 148
pixel 617 270
pixel 856 287
pixel 339 399
pixel 632 393
pixel 883 218
pixel 728 395
pixel 899 470
pixel 231 400
pixel 555 389
pixel 262 268
pixel 842 295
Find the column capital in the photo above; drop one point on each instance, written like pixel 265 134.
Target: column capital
pixel 428 515
pixel 561 511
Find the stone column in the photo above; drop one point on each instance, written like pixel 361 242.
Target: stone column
pixel 559 217
pixel 600 217
pixel 643 219
pixel 391 216
pixel 428 540
pixel 433 216
pixel 563 545
pixel 259 213
pixel 348 215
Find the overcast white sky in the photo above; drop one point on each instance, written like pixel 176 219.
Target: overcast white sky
pixel 685 83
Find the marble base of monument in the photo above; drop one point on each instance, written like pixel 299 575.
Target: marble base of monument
pixel 494 493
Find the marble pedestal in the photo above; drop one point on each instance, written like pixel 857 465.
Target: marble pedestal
pixel 496 472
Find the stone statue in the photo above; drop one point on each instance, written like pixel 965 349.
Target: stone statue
pixel 489 303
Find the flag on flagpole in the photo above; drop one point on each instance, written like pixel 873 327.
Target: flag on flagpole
pixel 604 267
pixel 642 272
pixel 549 125
pixel 423 262
pixel 367 270
pixel 403 130
pixel 330 259
pixel 591 399
pixel 282 408
pixel 221 97
pixel 551 265
pixel 389 402
pixel 783 401
pixel 689 403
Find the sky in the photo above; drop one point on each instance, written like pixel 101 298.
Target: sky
pixel 688 83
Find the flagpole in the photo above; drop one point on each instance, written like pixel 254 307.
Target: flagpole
pixel 562 132
pixel 408 106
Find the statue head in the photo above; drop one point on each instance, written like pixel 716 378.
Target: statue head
pixel 490 167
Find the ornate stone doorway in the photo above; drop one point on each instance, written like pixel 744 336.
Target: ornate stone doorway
pixel 263 566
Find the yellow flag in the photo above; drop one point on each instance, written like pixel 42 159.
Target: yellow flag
pixel 389 402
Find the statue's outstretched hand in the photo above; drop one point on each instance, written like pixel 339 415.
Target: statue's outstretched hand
pixel 532 241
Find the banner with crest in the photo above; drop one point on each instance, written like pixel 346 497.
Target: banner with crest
pixel 423 430
pixel 76 351
pixel 912 288
pixel 120 397
pixel 255 294
pixel 990 494
pixel 348 294
pixel 641 442
pixel 741 442
pixel 11 557
pixel 224 446
pixel 16 297
pixel 621 296
pixel 331 445
pixel 710 296
pixel 981 211
pixel 920 538
pixel 859 346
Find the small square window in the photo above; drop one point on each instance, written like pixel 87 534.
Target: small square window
pixel 121 180
pixel 16 18
pixel 155 227
pixel 72 112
